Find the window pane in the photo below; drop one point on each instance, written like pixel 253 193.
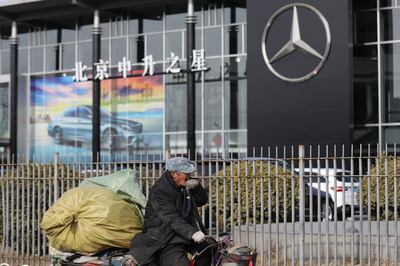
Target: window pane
pixel 391 70
pixel 85 53
pixel 386 3
pixel 52 58
pixel 213 145
pixel 4 112
pixel 390 24
pixel 37 59
pixel 155 46
pixel 68 56
pixel 133 48
pixel 65 35
pixel 153 25
pixel 85 32
pixel 235 93
pixel 175 104
pixel 176 143
pixel 5 62
pixel 212 105
pixel 118 50
pixel 236 143
pixel 212 41
pixel 23 60
pixel 391 135
pixel 173 42
pixel 175 21
pixel 23 39
pixel 365 135
pixel 364 4
pixel 365 84
pixel 233 39
pixel 365 27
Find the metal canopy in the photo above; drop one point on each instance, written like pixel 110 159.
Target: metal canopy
pixel 22 11
pixel 33 11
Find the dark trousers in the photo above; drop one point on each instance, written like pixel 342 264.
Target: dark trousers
pixel 177 255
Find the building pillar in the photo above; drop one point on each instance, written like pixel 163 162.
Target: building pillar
pixel 96 89
pixel 191 93
pixel 13 92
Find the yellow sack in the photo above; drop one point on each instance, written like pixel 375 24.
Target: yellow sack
pixel 90 219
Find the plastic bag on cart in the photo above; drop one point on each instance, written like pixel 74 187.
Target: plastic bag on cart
pixel 90 219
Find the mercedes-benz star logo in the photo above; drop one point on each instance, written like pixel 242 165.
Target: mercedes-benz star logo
pixel 295 42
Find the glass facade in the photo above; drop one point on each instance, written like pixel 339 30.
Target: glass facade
pixel 48 56
pixel 142 115
pixel 376 71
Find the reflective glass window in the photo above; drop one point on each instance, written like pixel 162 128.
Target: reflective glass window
pixel 85 53
pixel 57 35
pixel 391 83
pixel 5 61
pixel 173 44
pixel 175 21
pixel 391 134
pixel 68 56
pixel 52 57
pixel 212 41
pixel 365 135
pixel 388 3
pixel 233 39
pixel 4 111
pixel 365 26
pixel 175 103
pixel 365 62
pixel 85 26
pixel 365 4
pixel 390 24
pixel 235 93
pixel 212 105
pixel 153 25
pixel 70 112
pixel 37 63
pixel 154 43
pixel 118 50
pixel 104 49
pixel 23 60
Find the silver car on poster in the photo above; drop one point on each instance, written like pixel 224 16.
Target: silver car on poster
pixel 75 124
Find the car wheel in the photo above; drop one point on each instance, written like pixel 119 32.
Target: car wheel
pixel 109 139
pixel 326 212
pixel 58 135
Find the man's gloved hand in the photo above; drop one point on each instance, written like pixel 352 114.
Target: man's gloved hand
pixel 198 237
pixel 192 183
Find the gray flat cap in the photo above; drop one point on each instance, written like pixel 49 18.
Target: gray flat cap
pixel 181 164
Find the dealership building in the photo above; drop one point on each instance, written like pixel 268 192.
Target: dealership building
pixel 158 77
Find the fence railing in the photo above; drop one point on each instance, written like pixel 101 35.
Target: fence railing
pixel 301 209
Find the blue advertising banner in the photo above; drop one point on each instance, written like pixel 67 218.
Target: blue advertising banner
pixel 132 116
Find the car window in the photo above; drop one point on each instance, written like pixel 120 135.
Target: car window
pixel 105 114
pixel 314 177
pixel 346 178
pixel 71 112
pixel 84 112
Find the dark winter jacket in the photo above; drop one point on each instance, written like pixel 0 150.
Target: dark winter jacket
pixel 169 218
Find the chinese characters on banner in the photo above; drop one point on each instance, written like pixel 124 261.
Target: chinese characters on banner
pixel 125 66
